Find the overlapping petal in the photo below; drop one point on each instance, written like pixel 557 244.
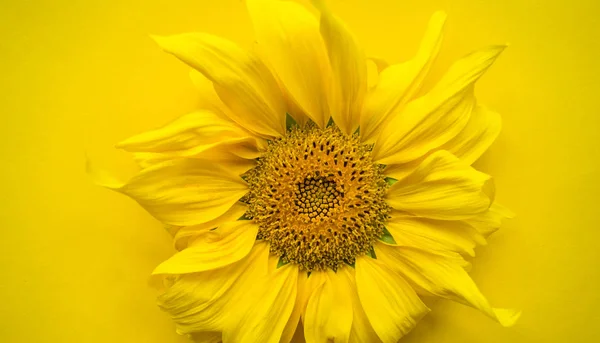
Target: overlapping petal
pixel 183 235
pixel 390 303
pixel 361 330
pixel 397 84
pixel 189 135
pixel 489 221
pixel 349 68
pixel 228 243
pixel 263 302
pixel 241 79
pixel 237 157
pixel 288 36
pixel 185 191
pixel 468 145
pixel 480 132
pixel 438 275
pixel 434 119
pixel 442 187
pixel 436 235
pixel 294 330
pixel 329 310
pixel 197 302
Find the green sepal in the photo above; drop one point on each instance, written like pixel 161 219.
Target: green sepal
pixel 387 237
pixel 281 263
pixel 243 217
pixel 290 122
pixel 330 122
pixel 372 254
pixel 390 180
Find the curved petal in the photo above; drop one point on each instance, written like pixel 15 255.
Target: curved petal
pixel 289 38
pixel 399 83
pixel 430 234
pixel 432 120
pixel 185 234
pixel 314 281
pixel 443 277
pixel 197 302
pixel 241 79
pixel 349 67
pixel 442 187
pixel 185 191
pixel 361 330
pixel 263 304
pixel 208 99
pixel 329 311
pixel 294 324
pixel 482 129
pixel 477 136
pixel 235 156
pixel 489 221
pixel 188 135
pixel 392 306
pixel 213 249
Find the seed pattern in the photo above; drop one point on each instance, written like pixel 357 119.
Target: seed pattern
pixel 317 198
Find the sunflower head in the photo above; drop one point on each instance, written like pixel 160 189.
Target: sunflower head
pixel 309 203
pixel 318 198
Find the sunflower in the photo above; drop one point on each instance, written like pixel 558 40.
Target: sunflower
pixel 311 201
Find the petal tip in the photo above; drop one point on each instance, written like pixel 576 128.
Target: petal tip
pixel 507 317
pixel 99 176
pixel 439 16
pixel 158 39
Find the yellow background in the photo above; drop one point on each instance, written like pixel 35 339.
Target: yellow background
pixel 81 75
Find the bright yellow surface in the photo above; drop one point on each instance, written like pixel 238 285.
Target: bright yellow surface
pixel 81 75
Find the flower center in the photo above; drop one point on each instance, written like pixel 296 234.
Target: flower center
pixel 317 198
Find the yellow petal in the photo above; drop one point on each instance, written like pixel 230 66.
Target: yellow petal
pixel 380 63
pixel 235 156
pixel 349 67
pixel 187 233
pixel 444 277
pixel 241 79
pixel 361 330
pixel 399 83
pixel 432 120
pixel 185 191
pixel 213 249
pixel 263 305
pixel 477 136
pixel 482 129
pixel 329 311
pixel 209 99
pixel 442 187
pixel 197 302
pixel 392 306
pixel 290 332
pixel 489 221
pixel 313 282
pixel 188 135
pixel 289 38
pixel 430 234
pixel 206 337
